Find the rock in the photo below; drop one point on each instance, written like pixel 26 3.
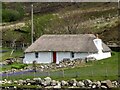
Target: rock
pixel 20 82
pixel 115 83
pixel 104 87
pixel 88 83
pixel 15 87
pixel 32 82
pixel 37 80
pixel 107 83
pixel 47 79
pixel 58 85
pixel 29 84
pixel 64 83
pixel 15 82
pixel 9 82
pixel 71 87
pixel 94 86
pixel 80 84
pixel 75 84
pixel 49 87
pixel 53 83
pixel 98 83
pixel 24 82
pixel 0 82
pixel 72 81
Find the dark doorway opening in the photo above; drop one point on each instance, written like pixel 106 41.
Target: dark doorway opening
pixel 54 57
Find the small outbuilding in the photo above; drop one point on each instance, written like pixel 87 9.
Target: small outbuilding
pixel 54 48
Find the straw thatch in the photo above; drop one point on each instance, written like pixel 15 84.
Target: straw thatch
pixel 74 43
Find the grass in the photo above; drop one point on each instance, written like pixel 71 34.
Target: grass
pixel 98 70
pixel 15 54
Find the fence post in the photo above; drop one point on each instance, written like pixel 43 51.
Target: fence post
pixel 22 76
pixel 34 74
pixel 76 74
pixel 92 72
pixel 106 72
pixel 63 73
pixel 48 73
pixel 7 76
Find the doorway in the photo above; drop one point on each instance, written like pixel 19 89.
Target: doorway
pixel 54 57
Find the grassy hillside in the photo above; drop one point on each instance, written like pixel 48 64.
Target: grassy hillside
pixel 66 18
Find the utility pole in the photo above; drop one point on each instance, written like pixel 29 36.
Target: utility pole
pixel 32 23
pixel 118 4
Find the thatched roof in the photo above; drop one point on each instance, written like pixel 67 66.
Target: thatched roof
pixel 75 43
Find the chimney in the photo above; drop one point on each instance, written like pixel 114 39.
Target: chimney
pixel 98 44
pixel 97 36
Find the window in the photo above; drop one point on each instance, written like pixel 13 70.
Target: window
pixel 36 54
pixel 72 54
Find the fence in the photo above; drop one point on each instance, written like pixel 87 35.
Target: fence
pixel 92 73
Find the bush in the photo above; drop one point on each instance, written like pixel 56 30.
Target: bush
pixel 9 15
pixel 18 66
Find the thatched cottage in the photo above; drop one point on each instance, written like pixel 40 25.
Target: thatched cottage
pixel 54 48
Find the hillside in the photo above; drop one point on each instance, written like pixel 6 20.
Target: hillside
pixel 64 18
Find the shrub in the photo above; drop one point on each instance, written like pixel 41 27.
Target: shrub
pixel 9 15
pixel 18 66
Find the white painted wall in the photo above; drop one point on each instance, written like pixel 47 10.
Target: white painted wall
pixel 62 55
pixel 99 56
pixel 81 55
pixel 29 58
pixel 47 57
pixel 43 57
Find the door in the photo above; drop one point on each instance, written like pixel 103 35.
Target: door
pixel 54 57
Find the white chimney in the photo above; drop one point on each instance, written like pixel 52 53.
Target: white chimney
pixel 98 44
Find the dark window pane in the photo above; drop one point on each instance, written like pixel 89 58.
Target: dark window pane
pixel 36 55
pixel 72 54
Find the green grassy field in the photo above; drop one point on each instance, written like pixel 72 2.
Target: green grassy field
pixel 6 55
pixel 98 70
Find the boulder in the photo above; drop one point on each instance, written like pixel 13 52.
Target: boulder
pixel 15 82
pixel 29 84
pixel 94 86
pixel 27 80
pixel 32 82
pixel 49 87
pixel 104 87
pixel 58 85
pixel 88 83
pixel 72 81
pixel 9 82
pixel 115 83
pixel 80 84
pixel 107 83
pixel 71 87
pixel 64 83
pixel 0 82
pixel 53 83
pixel 98 83
pixel 20 82
pixel 47 81
pixel 37 80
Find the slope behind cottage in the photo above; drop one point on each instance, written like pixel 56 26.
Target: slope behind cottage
pixel 54 48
